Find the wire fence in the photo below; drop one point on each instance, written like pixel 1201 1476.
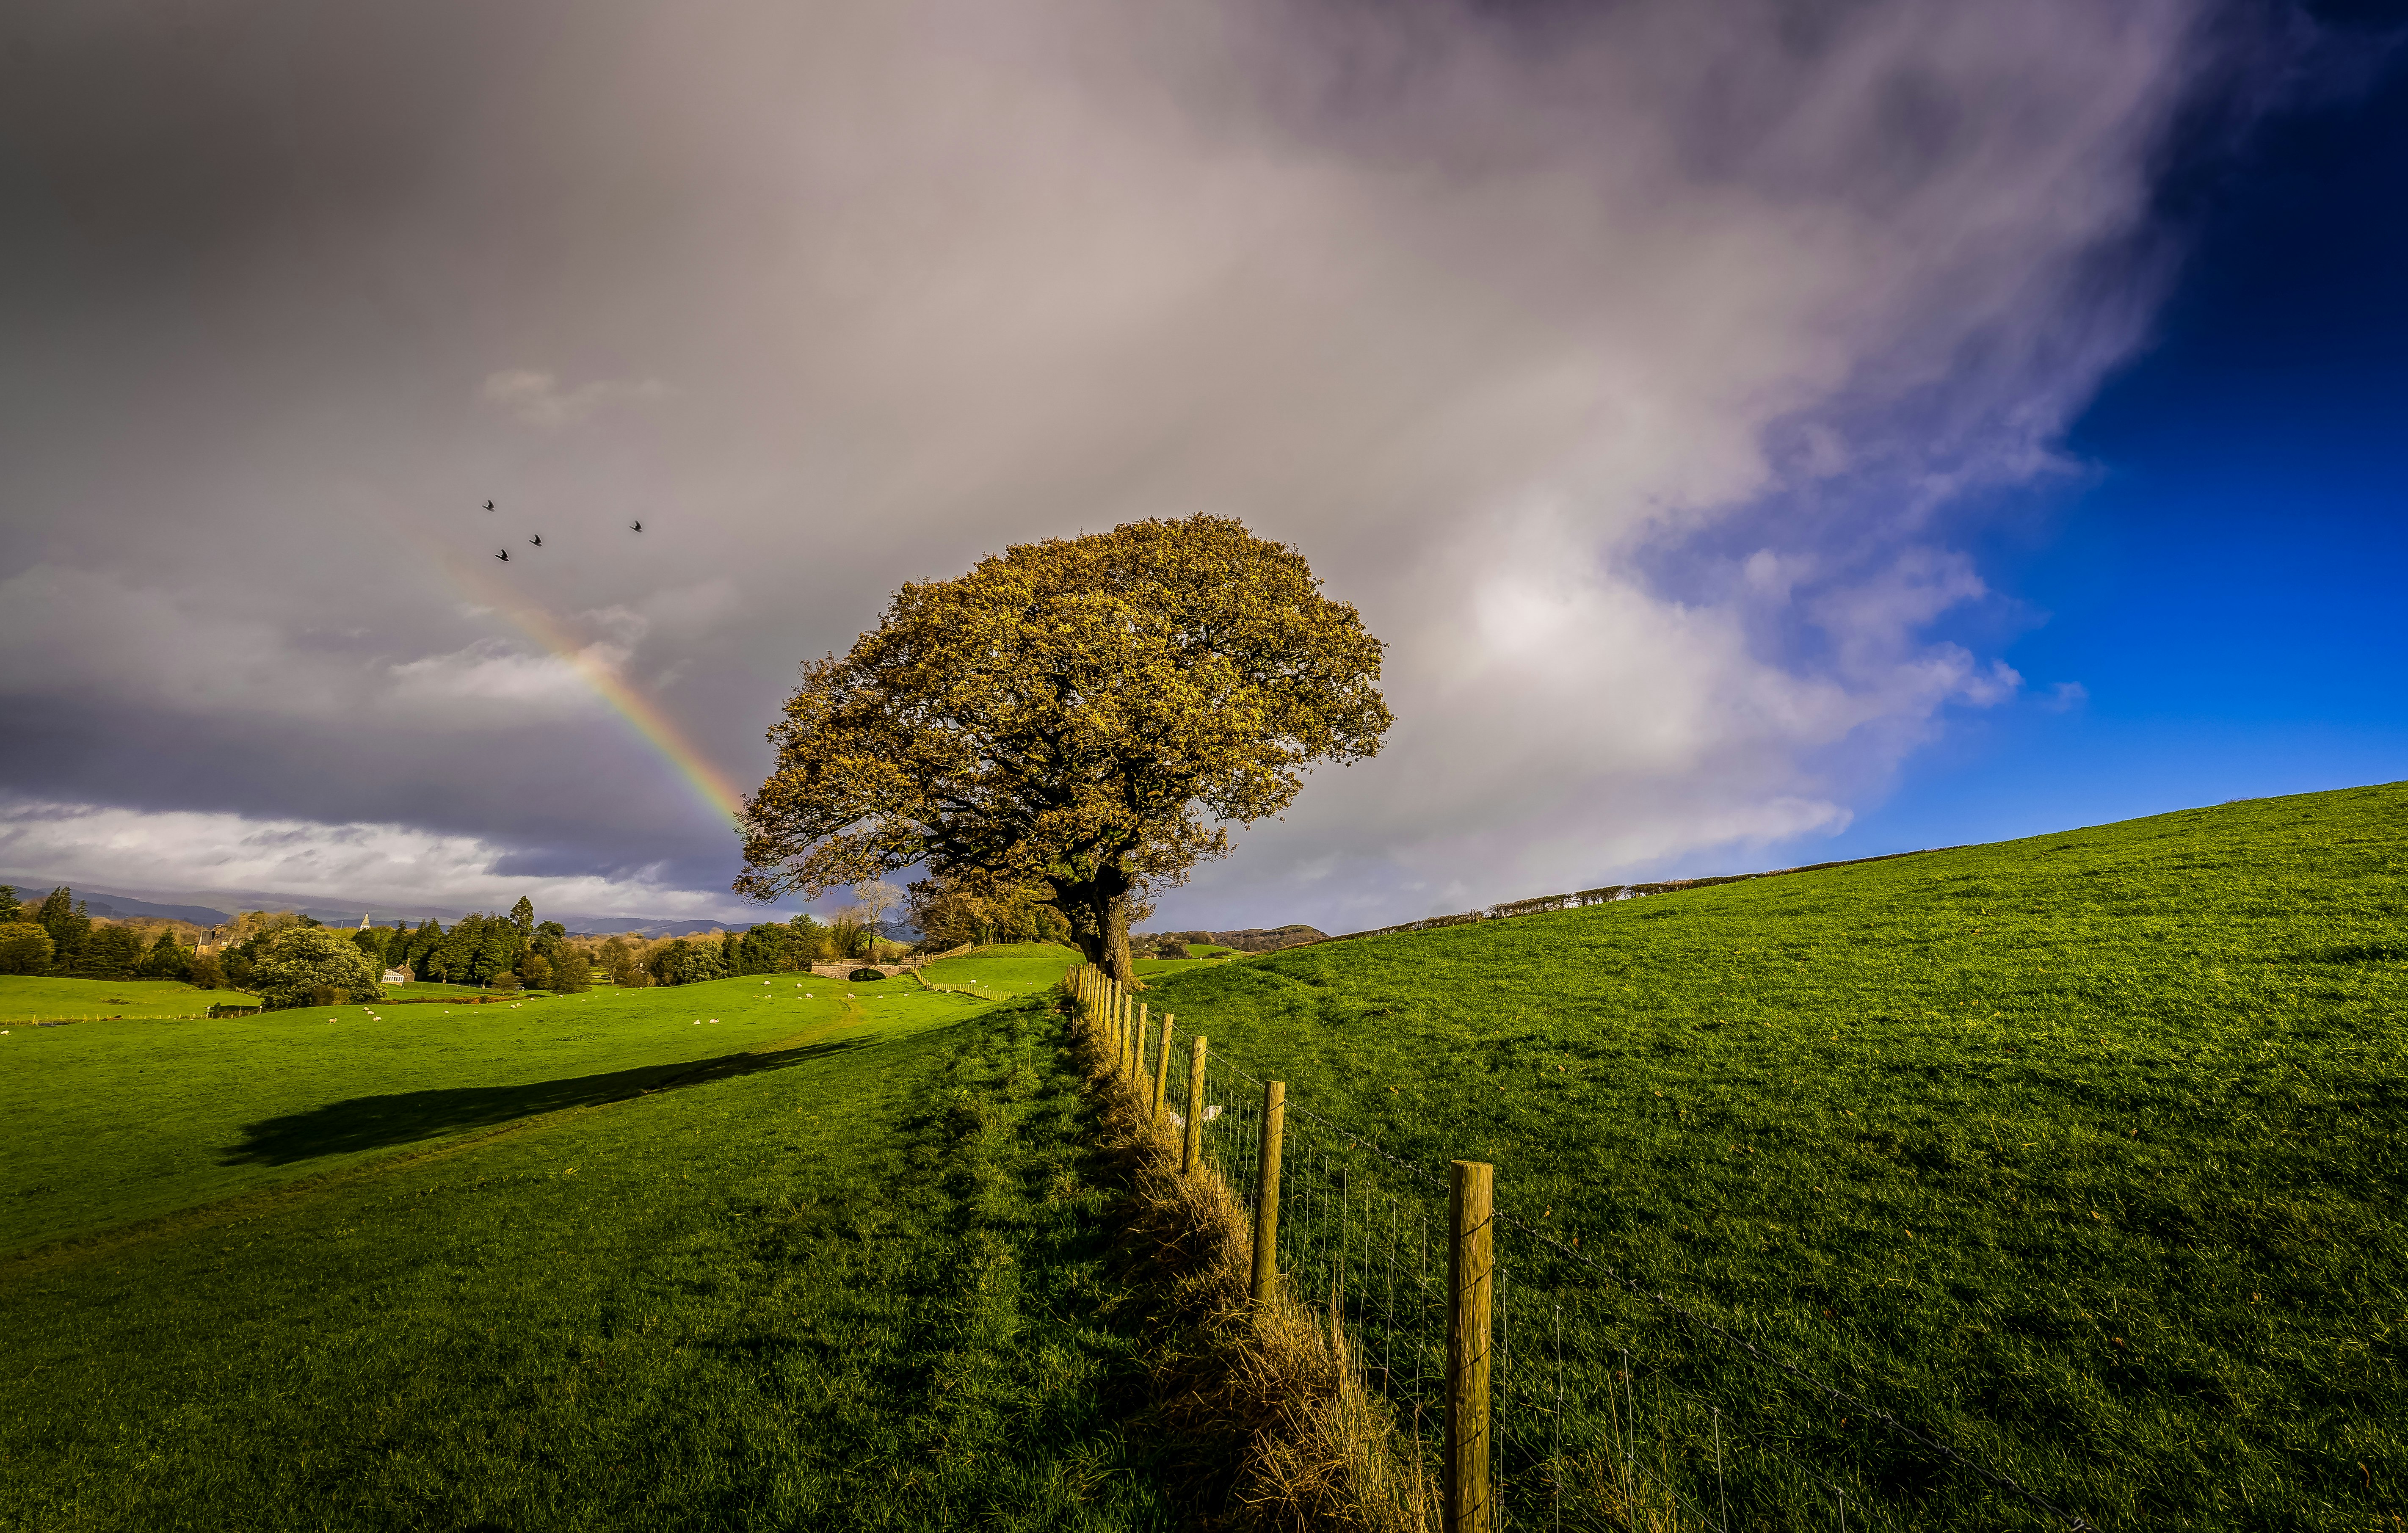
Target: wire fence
pixel 1611 1405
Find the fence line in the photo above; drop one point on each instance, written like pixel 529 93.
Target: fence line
pixel 1597 1417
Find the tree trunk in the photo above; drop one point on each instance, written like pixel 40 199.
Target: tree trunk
pixel 1099 924
pixel 1118 960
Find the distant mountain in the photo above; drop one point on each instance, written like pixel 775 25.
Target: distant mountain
pixel 894 931
pixel 612 927
pixel 122 907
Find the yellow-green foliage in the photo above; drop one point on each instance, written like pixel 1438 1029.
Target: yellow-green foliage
pixel 1083 716
pixel 24 948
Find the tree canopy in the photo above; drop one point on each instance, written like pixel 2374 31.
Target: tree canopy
pixel 1082 717
pixel 309 965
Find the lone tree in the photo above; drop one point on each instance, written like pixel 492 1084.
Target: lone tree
pixel 1080 718
pixel 310 965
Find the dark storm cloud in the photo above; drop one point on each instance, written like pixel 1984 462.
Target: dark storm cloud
pixel 1623 363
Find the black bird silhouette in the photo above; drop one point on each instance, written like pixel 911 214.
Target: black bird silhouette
pixel 635 526
pixel 537 539
pixel 489 505
pixel 504 557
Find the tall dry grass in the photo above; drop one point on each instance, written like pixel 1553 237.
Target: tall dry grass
pixel 1260 1415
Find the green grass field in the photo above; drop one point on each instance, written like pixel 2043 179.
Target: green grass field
pixel 2084 1152
pixel 122 1120
pixel 426 990
pixel 851 1277
pixel 2086 1149
pixel 34 998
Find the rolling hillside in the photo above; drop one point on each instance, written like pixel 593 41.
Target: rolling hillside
pixel 2089 1150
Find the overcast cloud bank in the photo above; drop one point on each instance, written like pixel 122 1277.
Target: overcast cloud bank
pixel 1638 370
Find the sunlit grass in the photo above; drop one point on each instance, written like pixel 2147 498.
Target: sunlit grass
pixel 115 1121
pixel 2086 1149
pixel 859 1283
pixel 25 997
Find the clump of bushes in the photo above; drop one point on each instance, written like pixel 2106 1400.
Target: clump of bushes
pixel 24 949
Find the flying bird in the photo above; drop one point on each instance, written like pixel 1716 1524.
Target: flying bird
pixel 635 526
pixel 489 505
pixel 504 557
pixel 537 539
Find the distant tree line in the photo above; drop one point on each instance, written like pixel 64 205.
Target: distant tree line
pixel 789 946
pixel 60 936
pixel 498 951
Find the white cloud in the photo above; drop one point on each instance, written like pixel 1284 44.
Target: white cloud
pixel 538 399
pixel 192 855
pixel 495 672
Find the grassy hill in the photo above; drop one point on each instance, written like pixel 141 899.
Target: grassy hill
pixel 847 1275
pixel 2089 1150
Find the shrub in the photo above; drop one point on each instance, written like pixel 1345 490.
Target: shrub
pixel 24 949
pixel 865 976
pixel 570 972
pixel 302 962
pixel 687 963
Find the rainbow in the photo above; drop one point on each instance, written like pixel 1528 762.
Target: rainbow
pixel 710 786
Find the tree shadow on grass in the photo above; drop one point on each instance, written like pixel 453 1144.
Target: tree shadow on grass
pixel 380 1123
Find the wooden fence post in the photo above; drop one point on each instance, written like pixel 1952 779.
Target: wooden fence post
pixel 1162 1068
pixel 1190 1159
pixel 1267 1193
pixel 1136 1048
pixel 1470 1276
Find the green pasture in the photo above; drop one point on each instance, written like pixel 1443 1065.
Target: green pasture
pixel 25 997
pixel 1004 971
pixel 853 1278
pixel 2089 1152
pixel 115 1121
pixel 424 990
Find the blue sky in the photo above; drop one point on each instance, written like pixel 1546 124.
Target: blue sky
pixel 2231 586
